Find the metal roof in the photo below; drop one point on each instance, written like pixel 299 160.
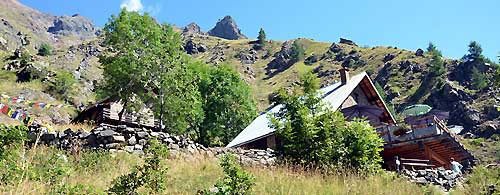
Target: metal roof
pixel 334 94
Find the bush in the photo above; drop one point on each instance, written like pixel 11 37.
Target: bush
pixel 63 85
pixel 315 135
pixel 235 182
pixel 151 175
pixel 45 50
pixel 10 136
pixel 25 57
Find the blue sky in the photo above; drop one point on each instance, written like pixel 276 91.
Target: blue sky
pixel 450 24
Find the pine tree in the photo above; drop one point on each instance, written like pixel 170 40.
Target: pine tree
pixel 262 37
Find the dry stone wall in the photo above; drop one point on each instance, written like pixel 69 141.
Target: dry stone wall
pixel 134 140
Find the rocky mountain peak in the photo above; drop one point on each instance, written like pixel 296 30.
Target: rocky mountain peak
pixel 227 29
pixel 73 25
pixel 192 29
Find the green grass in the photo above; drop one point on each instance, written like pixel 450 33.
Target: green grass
pixel 187 176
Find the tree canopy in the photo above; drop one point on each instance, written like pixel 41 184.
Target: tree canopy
pixel 147 67
pixel 227 104
pixel 315 135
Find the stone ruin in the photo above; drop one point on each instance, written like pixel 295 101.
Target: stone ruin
pixel 134 140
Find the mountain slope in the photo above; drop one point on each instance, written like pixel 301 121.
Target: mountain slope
pixel 403 74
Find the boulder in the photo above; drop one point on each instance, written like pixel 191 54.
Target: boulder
pixel 311 59
pixel 118 139
pixel 388 57
pixel 335 48
pixel 347 41
pixel 419 52
pixel 107 133
pixel 227 29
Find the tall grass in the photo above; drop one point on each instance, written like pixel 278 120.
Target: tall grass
pixel 92 172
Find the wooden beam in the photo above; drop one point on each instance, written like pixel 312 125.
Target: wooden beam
pixel 431 155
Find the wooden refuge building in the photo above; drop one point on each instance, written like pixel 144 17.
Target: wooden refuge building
pixel 107 111
pixel 433 145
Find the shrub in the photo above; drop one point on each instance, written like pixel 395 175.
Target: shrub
pixel 151 175
pixel 63 84
pixel 25 57
pixel 9 136
pixel 45 49
pixel 235 182
pixel 315 135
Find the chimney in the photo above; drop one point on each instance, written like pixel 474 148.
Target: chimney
pixel 344 75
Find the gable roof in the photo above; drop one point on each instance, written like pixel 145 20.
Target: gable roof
pixel 334 94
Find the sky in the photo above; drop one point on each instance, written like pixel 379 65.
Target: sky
pixel 449 24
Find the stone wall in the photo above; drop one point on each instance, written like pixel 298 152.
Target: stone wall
pixel 445 179
pixel 135 140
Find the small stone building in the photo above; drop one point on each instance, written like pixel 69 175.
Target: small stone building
pixel 107 111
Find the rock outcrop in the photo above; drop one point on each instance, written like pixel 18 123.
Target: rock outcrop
pixel 192 29
pixel 227 29
pixel 347 41
pixel 282 59
pixel 194 48
pixel 73 25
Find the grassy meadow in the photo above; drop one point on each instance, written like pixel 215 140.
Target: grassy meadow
pixel 45 170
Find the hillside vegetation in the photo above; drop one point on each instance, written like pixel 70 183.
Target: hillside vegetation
pixel 214 88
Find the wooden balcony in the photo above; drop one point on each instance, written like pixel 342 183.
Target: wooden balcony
pixel 429 139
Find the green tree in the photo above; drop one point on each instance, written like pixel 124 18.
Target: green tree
pixel 432 49
pixel 45 50
pixel 314 134
pixel 262 37
pixel 227 104
pixel 146 66
pixel 475 50
pixel 298 51
pixel 479 80
pixel 437 64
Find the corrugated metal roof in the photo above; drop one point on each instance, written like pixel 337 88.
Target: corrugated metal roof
pixel 334 94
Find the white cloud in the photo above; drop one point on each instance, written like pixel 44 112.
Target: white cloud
pixel 154 9
pixel 132 5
